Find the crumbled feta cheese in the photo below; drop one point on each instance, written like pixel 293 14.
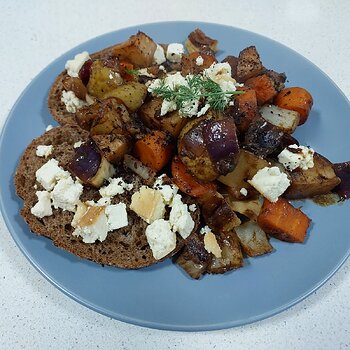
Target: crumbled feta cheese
pixel 50 173
pixel 243 191
pixel 180 219
pixel 116 186
pixel 203 110
pixel 44 150
pixel 43 206
pixel 71 101
pixel 159 55
pixel 211 244
pixel 80 211
pixel 161 67
pixel 174 52
pixel 92 226
pixel 78 144
pixel 204 230
pixel 161 239
pixel 199 61
pixel 66 193
pixel 144 72
pixel 190 108
pixel 148 204
pixel 192 207
pixel 167 191
pixel 167 106
pixel 117 216
pixel 270 182
pixel 294 156
pixel 49 127
pixel 73 66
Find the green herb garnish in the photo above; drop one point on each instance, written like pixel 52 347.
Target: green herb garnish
pixel 132 71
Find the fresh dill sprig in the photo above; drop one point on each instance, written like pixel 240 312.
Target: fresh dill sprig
pixel 199 88
pixel 132 71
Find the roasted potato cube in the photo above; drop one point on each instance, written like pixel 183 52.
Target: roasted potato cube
pixel 249 64
pixel 138 49
pixel 132 94
pixel 249 208
pixel 247 166
pixel 253 239
pixel 282 118
pixel 197 40
pixel 320 179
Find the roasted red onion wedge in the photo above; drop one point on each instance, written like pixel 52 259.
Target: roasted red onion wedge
pixel 90 166
pixel 342 170
pixel 85 71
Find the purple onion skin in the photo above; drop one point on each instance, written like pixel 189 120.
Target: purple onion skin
pixel 86 161
pixel 342 170
pixel 192 143
pixel 85 71
pixel 222 145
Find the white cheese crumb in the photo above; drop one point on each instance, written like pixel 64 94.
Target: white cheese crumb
pixel 174 52
pixel 49 127
pixel 66 193
pixel 243 191
pixel 44 150
pixel 167 191
pixel 167 106
pixel 192 208
pixel 50 173
pixel 78 144
pixel 303 157
pixel 116 186
pixel 73 66
pixel 199 61
pixel 211 244
pixel 161 239
pixel 203 110
pixel 144 72
pixel 43 206
pixel 71 101
pixel 159 55
pixel 204 230
pixel 180 219
pixel 117 216
pixel 148 204
pixel 161 67
pixel 270 182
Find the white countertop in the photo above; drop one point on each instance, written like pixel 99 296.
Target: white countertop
pixel 33 313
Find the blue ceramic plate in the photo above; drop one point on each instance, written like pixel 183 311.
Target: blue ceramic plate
pixel 162 296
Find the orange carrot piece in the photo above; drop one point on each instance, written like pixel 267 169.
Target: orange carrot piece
pixel 154 149
pixel 264 88
pixel 187 183
pixel 283 221
pixel 296 99
pixel 124 68
pixel 248 105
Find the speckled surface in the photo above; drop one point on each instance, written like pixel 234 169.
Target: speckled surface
pixel 35 315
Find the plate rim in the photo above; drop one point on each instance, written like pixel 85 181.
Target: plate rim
pixel 119 316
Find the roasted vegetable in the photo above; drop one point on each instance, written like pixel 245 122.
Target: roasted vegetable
pixel 190 63
pixel 75 85
pixel 296 99
pixel 247 166
pixel 197 40
pixel 249 208
pixel 248 64
pixel 320 179
pixel 138 49
pixel 342 170
pixel 264 88
pixel 283 221
pixel 253 239
pixel 282 118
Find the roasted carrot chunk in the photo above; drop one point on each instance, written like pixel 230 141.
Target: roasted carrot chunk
pixel 248 105
pixel 154 149
pixel 283 221
pixel 187 183
pixel 296 99
pixel 264 88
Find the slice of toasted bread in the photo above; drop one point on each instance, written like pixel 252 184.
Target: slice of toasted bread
pixel 126 247
pixel 56 107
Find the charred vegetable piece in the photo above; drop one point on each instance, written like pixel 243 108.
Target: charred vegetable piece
pixel 284 119
pixel 187 183
pixel 90 166
pixel 147 174
pixel 231 254
pixel 278 79
pixel 263 138
pixel 296 99
pixel 75 85
pixel 248 65
pixel 217 213
pixel 264 88
pixel 85 72
pixel 249 208
pixel 253 239
pixel 194 259
pixel 342 170
pixel 283 221
pixel 190 63
pixel 320 179
pixel 233 62
pixel 85 116
pixel 138 50
pixel 197 40
pixel 154 149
